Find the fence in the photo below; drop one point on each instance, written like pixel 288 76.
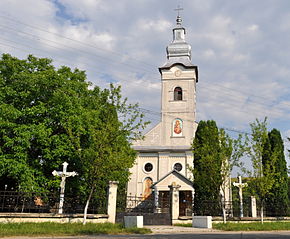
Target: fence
pixel 233 209
pixel 35 202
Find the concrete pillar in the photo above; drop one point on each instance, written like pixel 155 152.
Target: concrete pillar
pixel 253 206
pixel 156 200
pixel 174 194
pixel 112 201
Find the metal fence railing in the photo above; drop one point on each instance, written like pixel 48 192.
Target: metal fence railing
pixel 35 202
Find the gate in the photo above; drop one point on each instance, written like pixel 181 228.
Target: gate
pixel 146 207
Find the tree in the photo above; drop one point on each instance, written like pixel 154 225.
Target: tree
pixel 276 202
pixel 263 175
pixel 48 116
pixel 231 151
pixel 207 169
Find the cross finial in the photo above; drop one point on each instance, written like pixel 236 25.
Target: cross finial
pixel 178 19
pixel 178 9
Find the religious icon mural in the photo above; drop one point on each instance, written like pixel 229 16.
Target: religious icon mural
pixel 177 126
pixel 147 188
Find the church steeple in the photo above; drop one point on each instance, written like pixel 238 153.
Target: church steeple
pixel 179 48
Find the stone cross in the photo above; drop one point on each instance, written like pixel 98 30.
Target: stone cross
pixel 241 185
pixel 63 174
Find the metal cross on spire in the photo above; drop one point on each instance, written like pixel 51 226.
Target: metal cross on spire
pixel 178 19
pixel 178 9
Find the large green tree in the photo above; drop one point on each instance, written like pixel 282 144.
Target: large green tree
pixel 207 169
pixel 276 202
pixel 231 151
pixel 263 171
pixel 49 115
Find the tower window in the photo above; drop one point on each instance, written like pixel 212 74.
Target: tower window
pixel 177 93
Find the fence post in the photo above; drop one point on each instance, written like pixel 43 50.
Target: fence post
pixel 174 194
pixel 253 206
pixel 112 201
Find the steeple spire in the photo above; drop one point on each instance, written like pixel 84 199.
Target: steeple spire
pixel 178 19
pixel 179 48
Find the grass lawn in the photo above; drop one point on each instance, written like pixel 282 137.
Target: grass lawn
pixel 68 229
pixel 253 226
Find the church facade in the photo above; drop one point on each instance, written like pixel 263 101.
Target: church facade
pixel 165 155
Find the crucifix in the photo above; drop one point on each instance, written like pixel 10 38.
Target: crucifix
pixel 63 174
pixel 241 185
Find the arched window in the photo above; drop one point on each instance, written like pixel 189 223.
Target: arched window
pixel 147 187
pixel 177 93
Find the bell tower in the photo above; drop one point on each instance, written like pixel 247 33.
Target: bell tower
pixel 178 78
pixel 165 155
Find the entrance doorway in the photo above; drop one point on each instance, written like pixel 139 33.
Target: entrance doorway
pixel 185 203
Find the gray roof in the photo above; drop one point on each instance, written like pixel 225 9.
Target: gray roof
pixel 174 172
pixel 179 51
pixel 157 148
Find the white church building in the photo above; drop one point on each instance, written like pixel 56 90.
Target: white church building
pixel 165 154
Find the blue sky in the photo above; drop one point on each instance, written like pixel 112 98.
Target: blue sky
pixel 241 48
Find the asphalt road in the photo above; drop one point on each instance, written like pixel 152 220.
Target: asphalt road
pixel 214 235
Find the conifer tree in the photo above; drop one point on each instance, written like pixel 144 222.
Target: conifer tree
pixel 207 169
pixel 276 201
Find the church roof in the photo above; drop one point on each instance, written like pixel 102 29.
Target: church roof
pixel 158 148
pixel 176 173
pixel 179 51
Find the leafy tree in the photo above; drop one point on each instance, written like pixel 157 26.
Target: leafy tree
pixel 263 175
pixel 48 116
pixel 231 151
pixel 207 169
pixel 276 202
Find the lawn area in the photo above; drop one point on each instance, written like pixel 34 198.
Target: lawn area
pixel 68 229
pixel 252 226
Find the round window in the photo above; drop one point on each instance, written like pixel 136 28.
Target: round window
pixel 178 167
pixel 148 167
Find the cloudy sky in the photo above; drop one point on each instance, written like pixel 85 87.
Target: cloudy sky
pixel 242 49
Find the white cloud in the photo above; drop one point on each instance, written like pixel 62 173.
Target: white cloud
pixel 243 56
pixel 159 25
pixel 253 28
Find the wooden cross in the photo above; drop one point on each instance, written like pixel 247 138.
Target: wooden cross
pixel 63 174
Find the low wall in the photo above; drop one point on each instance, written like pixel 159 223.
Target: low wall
pixel 47 217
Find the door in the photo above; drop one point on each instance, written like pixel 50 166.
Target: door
pixel 185 203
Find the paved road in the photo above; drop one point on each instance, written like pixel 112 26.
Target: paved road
pixel 278 235
pixel 197 235
pixel 172 232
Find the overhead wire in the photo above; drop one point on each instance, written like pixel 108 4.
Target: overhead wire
pixel 80 42
pixel 71 39
pixel 85 52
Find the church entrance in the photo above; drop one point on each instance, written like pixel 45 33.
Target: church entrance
pixel 185 203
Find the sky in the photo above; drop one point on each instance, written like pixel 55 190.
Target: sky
pixel 241 48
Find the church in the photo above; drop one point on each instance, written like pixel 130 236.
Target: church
pixel 165 155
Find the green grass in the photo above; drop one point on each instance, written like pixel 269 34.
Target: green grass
pixel 183 224
pixel 68 229
pixel 253 226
